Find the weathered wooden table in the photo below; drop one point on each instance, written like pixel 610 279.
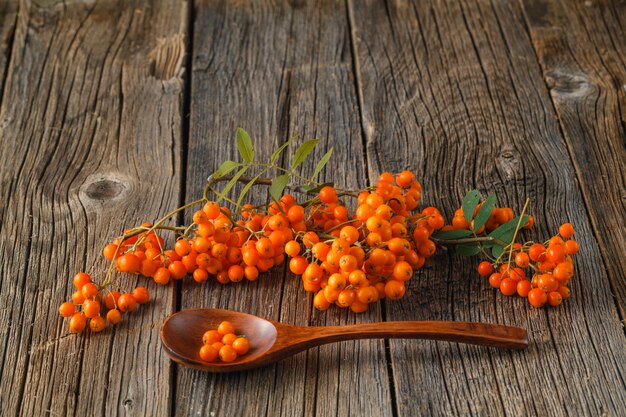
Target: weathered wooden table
pixel 115 112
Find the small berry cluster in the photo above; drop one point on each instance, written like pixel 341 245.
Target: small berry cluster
pixel 87 302
pixel 551 264
pixel 214 244
pixel 223 343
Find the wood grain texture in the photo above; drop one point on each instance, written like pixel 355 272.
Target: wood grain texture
pixel 582 53
pixel 453 92
pixel 8 18
pixel 94 143
pixel 278 69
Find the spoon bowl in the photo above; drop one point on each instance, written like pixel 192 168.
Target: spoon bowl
pixel 271 341
pixel 182 332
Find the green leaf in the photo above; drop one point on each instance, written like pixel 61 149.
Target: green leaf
pixel 505 232
pixel 303 151
pixel 232 183
pixel 497 250
pixel 278 186
pixel 246 188
pixel 470 201
pixel 225 168
pixel 244 145
pixel 468 249
pixel 452 234
pixel 277 152
pixel 322 163
pixel 485 211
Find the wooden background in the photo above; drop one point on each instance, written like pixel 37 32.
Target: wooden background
pixel 114 112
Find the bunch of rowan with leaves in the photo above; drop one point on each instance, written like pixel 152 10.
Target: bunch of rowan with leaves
pixel 347 258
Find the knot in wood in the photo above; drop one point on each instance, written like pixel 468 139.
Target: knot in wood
pixel 568 84
pixel 105 187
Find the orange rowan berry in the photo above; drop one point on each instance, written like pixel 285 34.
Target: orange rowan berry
pixel 228 338
pixel 251 273
pixel 566 230
pixel 225 327
pixel 394 289
pixel 91 308
pixel 208 353
pixel 211 209
pixel 110 300
pixel 402 271
pixel 126 303
pixel 96 324
pixel 114 316
pixel 508 286
pixel 200 217
pixel 162 276
pixel 89 290
pixel 141 295
pixel 109 251
pixel 555 298
pixel 328 195
pixel 211 336
pixel 427 248
pixel 556 253
pixel 537 297
pixel 522 260
pixel 495 280
pixel 78 322
pixel 367 294
pixel 523 288
pixel 128 262
pixel 235 273
pixel 320 302
pixel 227 354
pixel 81 279
pixel 346 298
pixel 292 248
pixel 298 265
pixel 349 233
pixel 241 345
pixel 485 269
pixel 564 291
pixel 67 309
pixel 182 247
pixel 177 269
pixel 358 307
pixel 405 178
pixel 78 298
pixel 296 214
pixel 571 247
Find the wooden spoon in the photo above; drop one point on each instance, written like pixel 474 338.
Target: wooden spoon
pixel 271 341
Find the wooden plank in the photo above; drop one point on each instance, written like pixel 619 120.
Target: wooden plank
pixel 582 54
pixel 91 141
pixel 8 18
pixel 453 91
pixel 278 70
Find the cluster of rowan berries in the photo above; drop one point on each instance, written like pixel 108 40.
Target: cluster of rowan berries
pixel 213 245
pixel 223 343
pixel 87 303
pixel 551 265
pixel 356 260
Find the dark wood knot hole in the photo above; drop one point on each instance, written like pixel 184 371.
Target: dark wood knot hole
pixel 105 189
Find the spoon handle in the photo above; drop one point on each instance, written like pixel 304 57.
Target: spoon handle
pixel 494 335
